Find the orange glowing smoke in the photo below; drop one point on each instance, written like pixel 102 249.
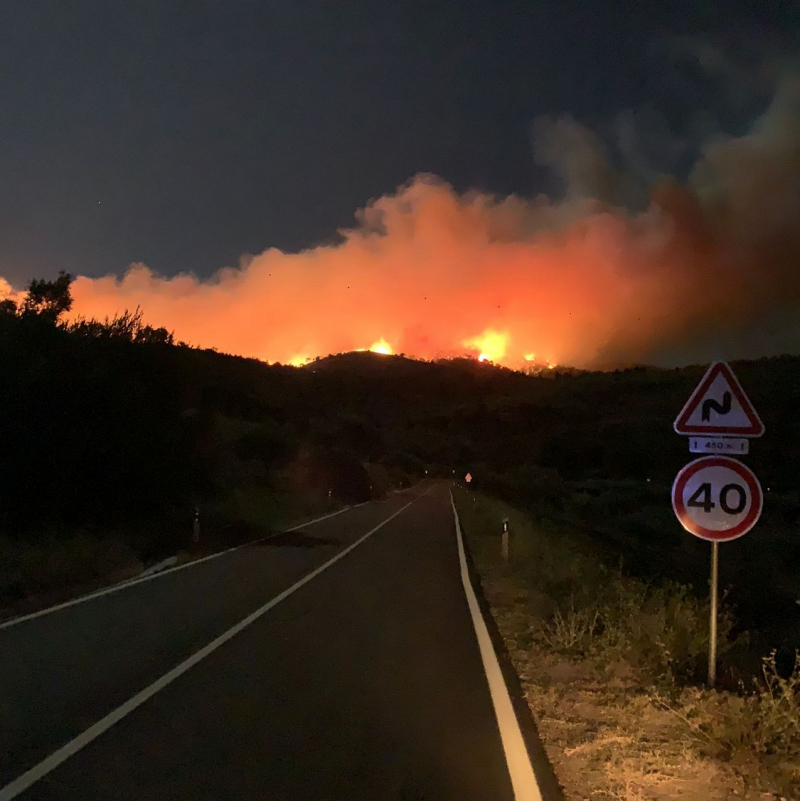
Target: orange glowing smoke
pixel 430 272
pixel 427 273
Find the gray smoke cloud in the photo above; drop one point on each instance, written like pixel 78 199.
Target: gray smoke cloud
pixel 726 236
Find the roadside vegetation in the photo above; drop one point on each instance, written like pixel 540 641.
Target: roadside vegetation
pixel 613 669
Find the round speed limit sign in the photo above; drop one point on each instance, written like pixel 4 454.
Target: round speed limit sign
pixel 717 498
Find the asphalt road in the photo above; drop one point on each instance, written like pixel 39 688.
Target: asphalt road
pixel 366 682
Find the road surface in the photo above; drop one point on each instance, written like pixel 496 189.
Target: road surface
pixel 339 661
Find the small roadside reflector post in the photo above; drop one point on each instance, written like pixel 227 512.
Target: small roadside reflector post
pixel 504 544
pixel 716 497
pixel 196 526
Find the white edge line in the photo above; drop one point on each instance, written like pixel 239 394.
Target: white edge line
pixel 123 585
pixel 523 778
pixel 50 763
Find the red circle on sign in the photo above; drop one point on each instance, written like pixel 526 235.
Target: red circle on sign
pixel 741 528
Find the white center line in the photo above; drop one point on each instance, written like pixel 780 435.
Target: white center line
pixel 51 762
pixel 523 779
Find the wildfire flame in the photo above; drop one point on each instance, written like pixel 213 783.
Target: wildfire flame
pixel 491 345
pixel 381 346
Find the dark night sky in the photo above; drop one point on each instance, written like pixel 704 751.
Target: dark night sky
pixel 184 134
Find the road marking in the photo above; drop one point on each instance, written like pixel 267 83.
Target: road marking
pixel 523 779
pixel 50 763
pixel 123 585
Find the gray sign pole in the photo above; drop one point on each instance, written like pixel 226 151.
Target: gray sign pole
pixel 712 644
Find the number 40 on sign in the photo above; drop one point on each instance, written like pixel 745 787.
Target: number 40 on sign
pixel 717 498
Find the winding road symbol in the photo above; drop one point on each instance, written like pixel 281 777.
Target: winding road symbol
pixel 714 405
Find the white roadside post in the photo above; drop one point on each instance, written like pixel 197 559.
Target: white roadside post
pixel 504 544
pixel 716 497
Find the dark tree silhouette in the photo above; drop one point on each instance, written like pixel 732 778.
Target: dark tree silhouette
pixel 8 306
pixel 48 300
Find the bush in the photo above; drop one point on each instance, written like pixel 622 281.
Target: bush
pixel 756 730
pixel 764 721
pixel 572 632
pixel 661 630
pixel 379 479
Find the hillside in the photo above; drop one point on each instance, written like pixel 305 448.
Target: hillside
pixel 112 433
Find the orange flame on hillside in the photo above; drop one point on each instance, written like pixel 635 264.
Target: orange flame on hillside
pixel 491 345
pixel 382 347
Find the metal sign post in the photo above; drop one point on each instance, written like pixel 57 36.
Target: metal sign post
pixel 712 645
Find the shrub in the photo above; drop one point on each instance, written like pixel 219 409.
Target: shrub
pixel 764 721
pixel 661 630
pixel 572 632
pixel 756 730
pixel 379 479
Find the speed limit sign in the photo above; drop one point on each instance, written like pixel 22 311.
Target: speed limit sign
pixel 717 498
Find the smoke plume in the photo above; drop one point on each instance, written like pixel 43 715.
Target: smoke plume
pixel 705 267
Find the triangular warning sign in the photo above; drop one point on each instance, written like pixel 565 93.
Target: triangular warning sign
pixel 719 407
